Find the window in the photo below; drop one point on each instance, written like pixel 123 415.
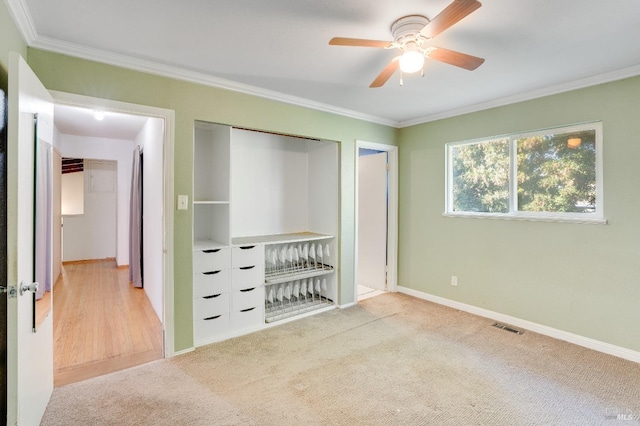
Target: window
pixel 553 174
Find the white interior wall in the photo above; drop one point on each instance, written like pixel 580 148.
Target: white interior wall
pixel 91 235
pixel 57 199
pixel 118 150
pixel 56 139
pixel 269 184
pixel 372 220
pixel 150 139
pixel 72 194
pixel 324 175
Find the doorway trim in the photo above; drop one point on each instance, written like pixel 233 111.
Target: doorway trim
pixel 392 214
pixel 168 192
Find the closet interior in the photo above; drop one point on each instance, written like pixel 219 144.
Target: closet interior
pixel 265 225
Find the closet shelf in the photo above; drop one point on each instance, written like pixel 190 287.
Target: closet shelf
pixel 278 311
pixel 294 237
pixel 283 277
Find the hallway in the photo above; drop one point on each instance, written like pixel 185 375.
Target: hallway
pixel 101 323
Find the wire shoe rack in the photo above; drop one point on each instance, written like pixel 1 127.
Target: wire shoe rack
pixel 296 279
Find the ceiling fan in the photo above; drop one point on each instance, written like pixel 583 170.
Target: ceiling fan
pixel 411 34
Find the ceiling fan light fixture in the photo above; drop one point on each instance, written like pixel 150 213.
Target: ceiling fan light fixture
pixel 411 61
pixel 412 35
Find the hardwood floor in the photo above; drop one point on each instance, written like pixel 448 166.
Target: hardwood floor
pixel 101 323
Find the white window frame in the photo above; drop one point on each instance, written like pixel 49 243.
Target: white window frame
pixel 596 217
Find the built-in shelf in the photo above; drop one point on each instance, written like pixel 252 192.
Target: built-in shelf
pixel 282 277
pixel 279 238
pixel 287 309
pixel 208 245
pixel 249 189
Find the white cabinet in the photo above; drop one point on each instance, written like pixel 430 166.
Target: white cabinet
pixel 211 259
pixel 255 194
pixel 211 293
pixel 247 284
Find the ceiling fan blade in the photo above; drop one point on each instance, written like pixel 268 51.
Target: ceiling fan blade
pixel 359 42
pixel 458 59
pixel 453 13
pixel 387 72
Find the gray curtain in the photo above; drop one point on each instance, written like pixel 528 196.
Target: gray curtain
pixel 43 219
pixel 135 221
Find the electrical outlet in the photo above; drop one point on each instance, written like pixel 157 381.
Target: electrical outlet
pixel 454 280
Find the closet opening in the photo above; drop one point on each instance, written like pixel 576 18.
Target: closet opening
pixel 266 224
pixel 376 219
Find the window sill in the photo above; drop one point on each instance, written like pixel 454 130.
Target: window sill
pixel 556 219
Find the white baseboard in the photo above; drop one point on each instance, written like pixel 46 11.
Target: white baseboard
pixel 528 325
pixel 182 352
pixel 347 305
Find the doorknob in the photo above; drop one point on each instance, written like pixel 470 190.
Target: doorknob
pixel 33 287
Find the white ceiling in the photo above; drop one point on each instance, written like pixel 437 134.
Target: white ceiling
pixel 73 120
pixel 279 48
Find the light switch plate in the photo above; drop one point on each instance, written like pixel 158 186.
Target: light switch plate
pixel 183 202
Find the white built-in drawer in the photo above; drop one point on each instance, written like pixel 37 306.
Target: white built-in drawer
pixel 205 330
pixel 248 318
pixel 210 306
pixel 214 282
pixel 247 277
pixel 248 298
pixel 247 256
pixel 211 260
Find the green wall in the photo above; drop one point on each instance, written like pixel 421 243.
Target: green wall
pixel 583 279
pixel 198 102
pixel 10 39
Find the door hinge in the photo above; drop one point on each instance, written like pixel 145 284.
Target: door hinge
pixel 388 166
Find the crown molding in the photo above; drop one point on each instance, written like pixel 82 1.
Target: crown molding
pixel 525 96
pixel 178 73
pixel 22 17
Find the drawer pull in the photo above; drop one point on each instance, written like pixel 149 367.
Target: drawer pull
pixel 247 289
pixel 211 251
pixel 246 247
pixel 211 296
pixel 247 310
pixel 212 318
pixel 211 272
pixel 244 268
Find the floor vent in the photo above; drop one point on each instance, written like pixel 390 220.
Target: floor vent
pixel 508 328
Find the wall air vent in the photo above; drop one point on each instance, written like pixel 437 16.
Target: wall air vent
pixel 508 328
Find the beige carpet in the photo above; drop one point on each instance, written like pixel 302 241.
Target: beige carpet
pixel 391 360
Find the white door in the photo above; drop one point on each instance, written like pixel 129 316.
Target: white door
pixel 29 354
pixel 372 221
